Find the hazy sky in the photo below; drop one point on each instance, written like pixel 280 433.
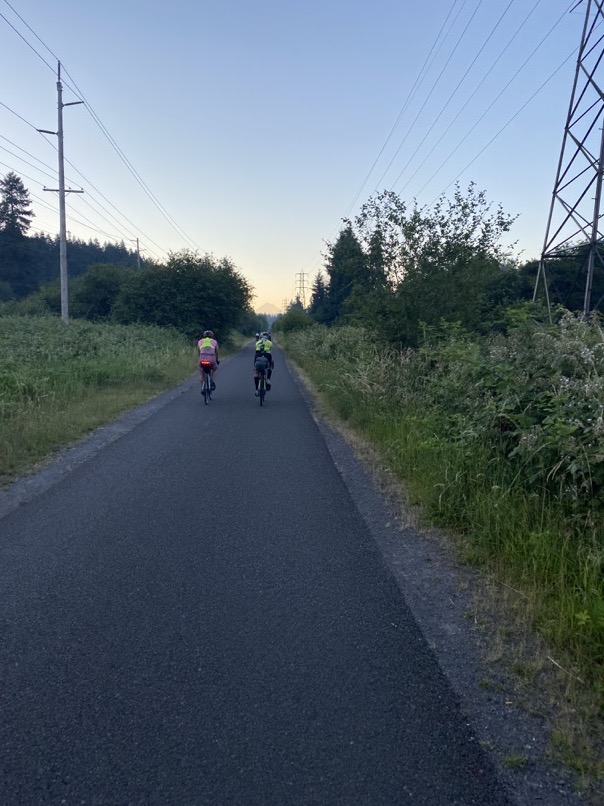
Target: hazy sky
pixel 258 125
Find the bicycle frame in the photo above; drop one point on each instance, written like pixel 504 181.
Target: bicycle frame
pixel 262 379
pixel 206 387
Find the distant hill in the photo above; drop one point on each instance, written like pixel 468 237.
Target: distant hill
pixel 268 309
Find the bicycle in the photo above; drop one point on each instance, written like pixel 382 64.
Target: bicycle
pixel 262 381
pixel 206 384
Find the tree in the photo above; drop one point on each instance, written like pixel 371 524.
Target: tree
pixel 17 268
pixel 15 206
pixel 346 266
pixel 98 291
pixel 318 299
pixel 253 322
pixel 443 262
pixel 296 318
pixel 191 293
pixel 566 277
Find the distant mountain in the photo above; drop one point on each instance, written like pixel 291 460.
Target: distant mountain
pixel 268 309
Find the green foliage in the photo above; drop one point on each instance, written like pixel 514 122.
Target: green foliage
pixel 29 262
pixel 15 205
pixel 499 437
pixel 6 292
pixel 98 291
pixel 18 270
pixel 252 323
pixel 566 276
pixel 319 300
pixel 401 267
pixel 46 301
pixel 414 240
pixel 536 396
pixel 43 359
pixel 346 267
pixel 295 319
pixel 191 293
pixel 58 382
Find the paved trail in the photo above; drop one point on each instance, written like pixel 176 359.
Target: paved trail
pixel 198 615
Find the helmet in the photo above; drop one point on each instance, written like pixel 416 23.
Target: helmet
pixel 264 335
pixel 208 334
pixel 257 335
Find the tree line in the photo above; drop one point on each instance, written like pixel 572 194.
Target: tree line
pixel 187 292
pixel 29 261
pixel 399 268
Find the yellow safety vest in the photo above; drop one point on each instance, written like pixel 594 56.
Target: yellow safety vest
pixel 264 346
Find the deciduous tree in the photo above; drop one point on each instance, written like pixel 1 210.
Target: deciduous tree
pixel 191 293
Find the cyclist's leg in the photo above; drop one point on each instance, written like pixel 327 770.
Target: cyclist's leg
pixel 256 380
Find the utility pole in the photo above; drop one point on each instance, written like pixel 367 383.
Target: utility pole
pixel 62 191
pixel 574 221
pixel 138 253
pixel 301 287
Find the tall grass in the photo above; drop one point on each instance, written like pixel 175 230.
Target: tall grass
pixel 58 382
pixel 500 439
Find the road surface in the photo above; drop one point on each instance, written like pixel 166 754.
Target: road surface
pixel 199 615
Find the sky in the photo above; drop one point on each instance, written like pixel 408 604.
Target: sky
pixel 250 130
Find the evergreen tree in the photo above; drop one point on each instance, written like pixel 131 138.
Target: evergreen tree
pixel 17 267
pixel 318 299
pixel 15 206
pixel 346 267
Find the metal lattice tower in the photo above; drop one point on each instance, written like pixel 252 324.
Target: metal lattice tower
pixel 301 287
pixel 575 219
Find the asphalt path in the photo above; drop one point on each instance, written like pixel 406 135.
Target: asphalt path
pixel 198 614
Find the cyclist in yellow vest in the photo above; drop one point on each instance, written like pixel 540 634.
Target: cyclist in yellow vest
pixel 264 354
pixel 207 350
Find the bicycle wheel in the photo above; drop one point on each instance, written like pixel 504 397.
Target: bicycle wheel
pixel 262 388
pixel 207 388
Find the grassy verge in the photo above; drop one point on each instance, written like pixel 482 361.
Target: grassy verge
pixel 543 600
pixel 58 383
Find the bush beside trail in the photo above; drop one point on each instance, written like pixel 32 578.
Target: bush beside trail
pixel 501 439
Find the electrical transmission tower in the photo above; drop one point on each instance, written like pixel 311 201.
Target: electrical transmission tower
pixel 574 222
pixel 301 287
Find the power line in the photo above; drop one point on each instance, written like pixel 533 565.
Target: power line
pixel 416 84
pixel 7 21
pixel 130 167
pixel 101 125
pixel 494 101
pixel 27 122
pixel 31 165
pixel 91 225
pixel 410 95
pixel 452 95
pixel 504 127
pixel 429 95
pixel 478 86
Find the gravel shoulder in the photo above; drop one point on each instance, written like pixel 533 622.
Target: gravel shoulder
pixel 454 610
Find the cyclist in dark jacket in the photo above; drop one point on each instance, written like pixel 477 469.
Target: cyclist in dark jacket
pixel 263 358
